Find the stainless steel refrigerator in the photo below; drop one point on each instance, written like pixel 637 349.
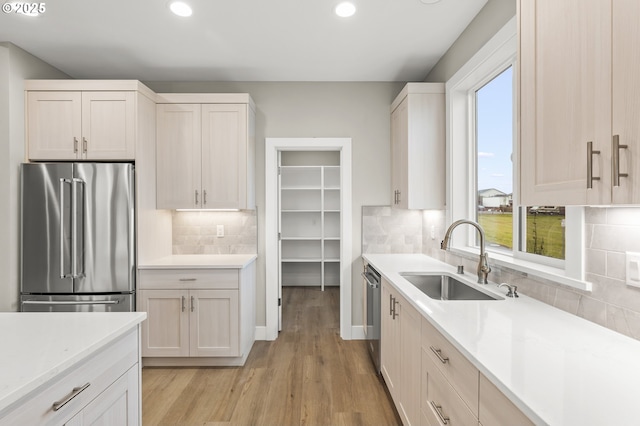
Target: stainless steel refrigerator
pixel 77 237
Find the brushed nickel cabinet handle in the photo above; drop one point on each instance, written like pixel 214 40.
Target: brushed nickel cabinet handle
pixel 188 279
pixel 395 314
pixel 183 303
pixel 74 392
pixel 196 197
pixel 398 199
pixel 84 144
pixel 615 160
pixel 75 145
pixel 438 353
pixel 204 197
pixel 438 410
pixel 590 177
pixel 390 305
pixel 192 304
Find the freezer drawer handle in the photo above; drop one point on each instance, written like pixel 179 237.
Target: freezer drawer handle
pixel 71 302
pixel 188 279
pixel 74 392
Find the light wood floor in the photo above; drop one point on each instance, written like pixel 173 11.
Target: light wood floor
pixel 308 376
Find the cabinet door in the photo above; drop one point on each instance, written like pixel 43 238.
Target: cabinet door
pixel 565 100
pixel 117 405
pixel 165 333
pixel 496 408
pixel 108 125
pixel 390 342
pixel 224 156
pixel 399 155
pixel 626 98
pixel 214 323
pixel 410 362
pixel 54 125
pixel 178 156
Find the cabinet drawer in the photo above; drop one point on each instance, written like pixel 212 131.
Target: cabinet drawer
pixel 496 408
pixel 440 403
pixel 188 278
pixel 452 364
pixel 99 372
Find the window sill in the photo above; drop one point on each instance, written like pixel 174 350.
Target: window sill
pixel 535 269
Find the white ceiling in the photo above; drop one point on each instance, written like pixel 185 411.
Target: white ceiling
pixel 241 40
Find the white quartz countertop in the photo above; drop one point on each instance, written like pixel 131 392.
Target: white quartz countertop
pixel 559 369
pixel 37 346
pixel 200 261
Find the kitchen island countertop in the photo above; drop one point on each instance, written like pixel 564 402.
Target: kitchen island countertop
pixel 38 346
pixel 200 261
pixel 558 368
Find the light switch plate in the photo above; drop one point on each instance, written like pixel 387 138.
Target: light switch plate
pixel 220 231
pixel 633 268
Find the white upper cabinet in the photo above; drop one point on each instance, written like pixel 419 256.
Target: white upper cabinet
pixel 178 158
pixel 578 97
pixel 81 125
pixel 418 147
pixel 205 152
pixel 626 99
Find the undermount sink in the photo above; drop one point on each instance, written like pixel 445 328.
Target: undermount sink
pixel 445 287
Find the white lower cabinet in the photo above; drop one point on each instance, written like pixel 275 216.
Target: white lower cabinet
pixel 400 353
pixel 441 404
pixel 103 390
pixel 430 381
pixel 197 316
pixel 496 409
pixel 190 322
pixel 117 405
pixel 449 382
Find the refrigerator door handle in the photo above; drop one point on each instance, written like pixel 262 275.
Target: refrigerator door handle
pixel 62 182
pixel 71 302
pixel 76 236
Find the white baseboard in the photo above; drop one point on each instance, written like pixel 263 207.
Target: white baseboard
pixel 261 332
pixel 357 332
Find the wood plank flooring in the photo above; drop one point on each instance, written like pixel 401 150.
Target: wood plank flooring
pixel 308 376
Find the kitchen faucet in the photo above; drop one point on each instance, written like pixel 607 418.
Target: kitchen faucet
pixel 483 265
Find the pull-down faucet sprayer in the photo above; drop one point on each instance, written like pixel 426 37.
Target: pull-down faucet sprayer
pixel 483 265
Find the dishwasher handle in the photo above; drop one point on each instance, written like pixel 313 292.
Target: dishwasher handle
pixel 370 279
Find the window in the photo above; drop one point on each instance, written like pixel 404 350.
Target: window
pixel 483 172
pixel 540 230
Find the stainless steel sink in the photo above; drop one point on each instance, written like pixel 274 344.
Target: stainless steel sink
pixel 445 287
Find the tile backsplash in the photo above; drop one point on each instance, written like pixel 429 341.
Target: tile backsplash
pixel 196 232
pixel 387 230
pixel 609 233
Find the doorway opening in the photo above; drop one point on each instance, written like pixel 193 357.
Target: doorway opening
pixel 308 223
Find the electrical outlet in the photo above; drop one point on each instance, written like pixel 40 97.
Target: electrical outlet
pixel 633 268
pixel 220 231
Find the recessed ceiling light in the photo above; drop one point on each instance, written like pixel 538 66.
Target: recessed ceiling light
pixel 345 9
pixel 180 8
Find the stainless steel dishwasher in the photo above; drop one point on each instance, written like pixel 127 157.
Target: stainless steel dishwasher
pixel 371 312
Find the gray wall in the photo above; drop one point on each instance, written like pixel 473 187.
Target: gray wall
pixel 493 16
pixel 15 66
pixel 356 110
